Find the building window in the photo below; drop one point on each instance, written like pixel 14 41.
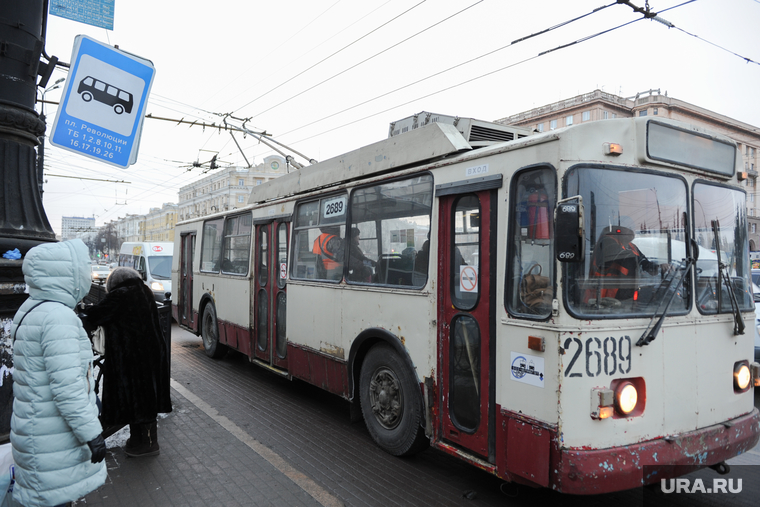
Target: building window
pixel 540 127
pixel 754 228
pixel 258 182
pixel 654 111
pixel 241 198
pixel 569 120
pixel 614 115
pixel 605 115
pixel 643 112
pixel 241 182
pixel 586 116
pixel 553 124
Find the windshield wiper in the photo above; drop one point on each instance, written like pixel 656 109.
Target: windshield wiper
pixel 738 321
pixel 650 333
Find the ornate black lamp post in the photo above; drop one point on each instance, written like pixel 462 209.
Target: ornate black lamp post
pixel 23 222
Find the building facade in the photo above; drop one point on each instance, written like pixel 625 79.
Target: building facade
pixel 227 188
pixel 77 227
pixel 128 228
pixel 159 223
pixel 599 105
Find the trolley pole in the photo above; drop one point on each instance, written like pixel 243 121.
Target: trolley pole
pixel 23 222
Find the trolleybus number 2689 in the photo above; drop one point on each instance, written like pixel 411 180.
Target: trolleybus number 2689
pixel 607 356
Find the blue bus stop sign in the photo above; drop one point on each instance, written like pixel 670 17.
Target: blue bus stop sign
pixel 103 103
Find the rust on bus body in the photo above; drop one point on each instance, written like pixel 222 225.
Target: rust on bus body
pixel 318 369
pixel 583 471
pixel 534 455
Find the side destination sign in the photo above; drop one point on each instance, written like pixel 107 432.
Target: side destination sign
pixel 103 103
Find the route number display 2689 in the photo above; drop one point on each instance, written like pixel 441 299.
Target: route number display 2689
pixel 608 356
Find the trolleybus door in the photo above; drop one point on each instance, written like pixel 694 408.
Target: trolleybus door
pixel 466 296
pixel 270 293
pixel 185 296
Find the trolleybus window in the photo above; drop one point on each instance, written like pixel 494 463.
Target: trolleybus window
pixel 720 229
pixel 320 231
pixel 263 256
pixel 635 243
pixel 530 287
pixel 282 253
pixel 393 223
pixel 237 245
pixel 466 252
pixel 211 246
pixel 465 373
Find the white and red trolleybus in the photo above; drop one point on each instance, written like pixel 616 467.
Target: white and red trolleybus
pixel 560 309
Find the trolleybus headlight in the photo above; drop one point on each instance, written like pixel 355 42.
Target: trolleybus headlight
pixel 742 376
pixel 626 397
pixel 156 286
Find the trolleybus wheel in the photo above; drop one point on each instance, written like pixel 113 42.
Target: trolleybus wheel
pixel 390 401
pixel 210 333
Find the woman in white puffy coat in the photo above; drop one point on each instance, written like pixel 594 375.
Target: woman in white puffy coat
pixel 55 431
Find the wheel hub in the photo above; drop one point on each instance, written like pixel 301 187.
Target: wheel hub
pixel 386 398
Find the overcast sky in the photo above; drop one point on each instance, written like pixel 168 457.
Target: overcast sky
pixel 328 76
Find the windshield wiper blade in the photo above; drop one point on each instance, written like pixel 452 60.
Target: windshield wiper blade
pixel 738 321
pixel 650 333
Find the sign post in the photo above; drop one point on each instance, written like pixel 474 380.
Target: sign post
pixel 103 104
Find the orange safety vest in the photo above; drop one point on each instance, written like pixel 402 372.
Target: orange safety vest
pixel 612 269
pixel 320 248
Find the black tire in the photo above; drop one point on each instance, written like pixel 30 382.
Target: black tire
pixel 391 403
pixel 210 333
pixel 118 109
pixel 86 96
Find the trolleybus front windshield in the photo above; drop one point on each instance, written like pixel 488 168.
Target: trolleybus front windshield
pixel 635 243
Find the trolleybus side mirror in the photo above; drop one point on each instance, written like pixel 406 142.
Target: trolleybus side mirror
pixel 568 229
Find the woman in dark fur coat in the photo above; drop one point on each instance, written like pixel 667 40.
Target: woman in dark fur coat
pixel 136 366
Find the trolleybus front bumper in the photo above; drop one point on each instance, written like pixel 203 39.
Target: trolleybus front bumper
pixel 631 466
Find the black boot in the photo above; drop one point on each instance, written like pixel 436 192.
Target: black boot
pixel 134 440
pixel 148 441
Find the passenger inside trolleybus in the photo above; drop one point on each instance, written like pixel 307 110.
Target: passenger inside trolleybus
pixel 329 249
pixel 359 265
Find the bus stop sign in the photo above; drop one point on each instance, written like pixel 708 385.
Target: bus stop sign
pixel 102 107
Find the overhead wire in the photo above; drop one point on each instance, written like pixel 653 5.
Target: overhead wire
pixel 311 49
pixel 335 53
pixel 746 59
pixel 461 64
pixel 371 57
pixel 471 79
pixel 578 41
pixel 273 51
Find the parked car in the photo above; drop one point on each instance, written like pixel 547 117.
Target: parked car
pixel 100 272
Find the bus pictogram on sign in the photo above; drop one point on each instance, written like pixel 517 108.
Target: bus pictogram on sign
pixel 94 89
